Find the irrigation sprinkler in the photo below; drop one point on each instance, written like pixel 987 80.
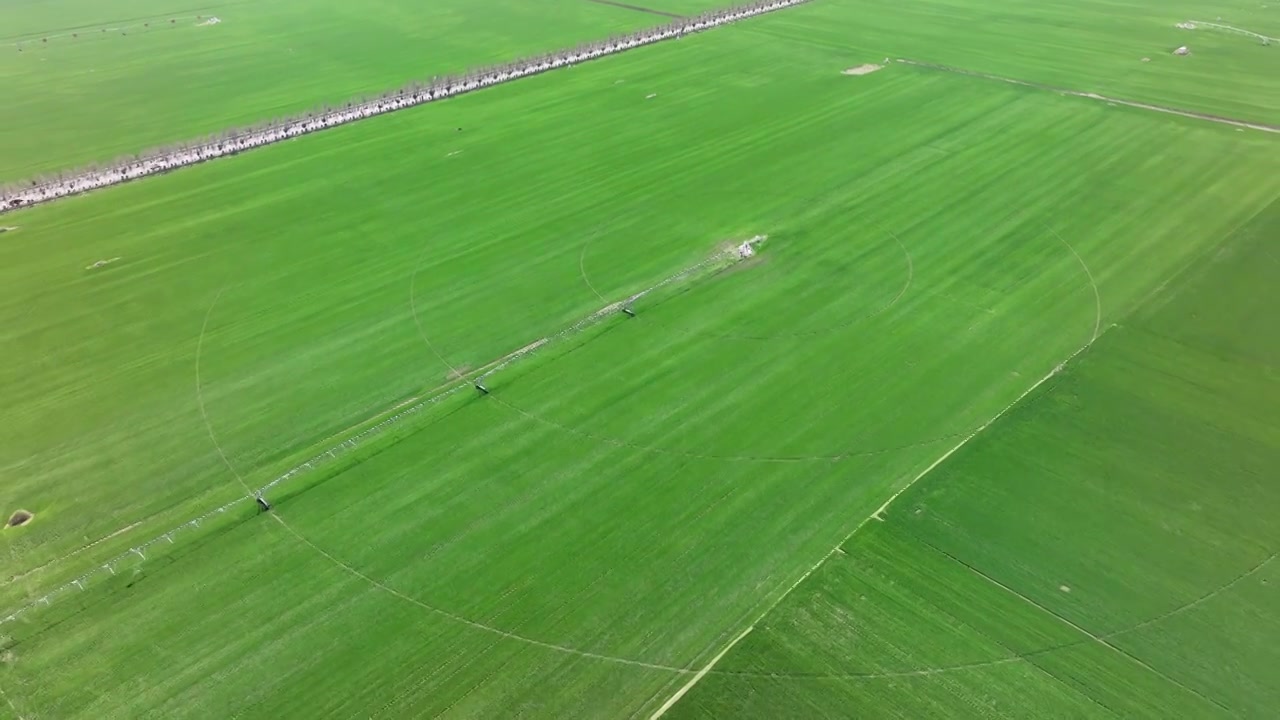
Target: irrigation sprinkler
pixel 625 305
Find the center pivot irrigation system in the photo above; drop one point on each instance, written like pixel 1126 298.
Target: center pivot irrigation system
pixel 136 555
pixel 236 141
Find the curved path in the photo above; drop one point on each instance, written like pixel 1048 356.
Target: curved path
pixel 1240 124
pixel 695 674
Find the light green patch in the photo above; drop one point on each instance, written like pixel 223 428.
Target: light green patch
pixel 1140 475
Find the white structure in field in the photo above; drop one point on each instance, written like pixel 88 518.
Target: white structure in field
pixel 748 248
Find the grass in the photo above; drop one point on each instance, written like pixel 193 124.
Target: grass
pixel 101 95
pixel 1094 46
pixel 626 503
pixel 1106 549
pixel 161 83
pixel 285 359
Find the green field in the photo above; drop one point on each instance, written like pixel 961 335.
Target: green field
pixel 99 80
pixel 590 537
pixel 150 82
pixel 1107 549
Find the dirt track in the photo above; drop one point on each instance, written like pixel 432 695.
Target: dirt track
pixel 1094 96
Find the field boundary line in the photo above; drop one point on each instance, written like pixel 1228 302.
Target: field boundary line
pixel 1243 124
pixel 1099 639
pixel 1266 40
pixel 1090 637
pixel 1198 601
pixel 1093 283
pixel 708 669
pixel 675 698
pixel 472 623
pixel 582 270
pixel 1018 657
pixel 879 513
pixel 204 415
pixel 234 141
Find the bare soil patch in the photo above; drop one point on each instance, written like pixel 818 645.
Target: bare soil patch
pixel 458 372
pixel 732 249
pixel 19 518
pixel 862 69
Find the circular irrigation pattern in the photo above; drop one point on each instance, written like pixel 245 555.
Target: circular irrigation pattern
pixel 677 670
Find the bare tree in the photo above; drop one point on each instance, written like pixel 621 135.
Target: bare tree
pixel 411 92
